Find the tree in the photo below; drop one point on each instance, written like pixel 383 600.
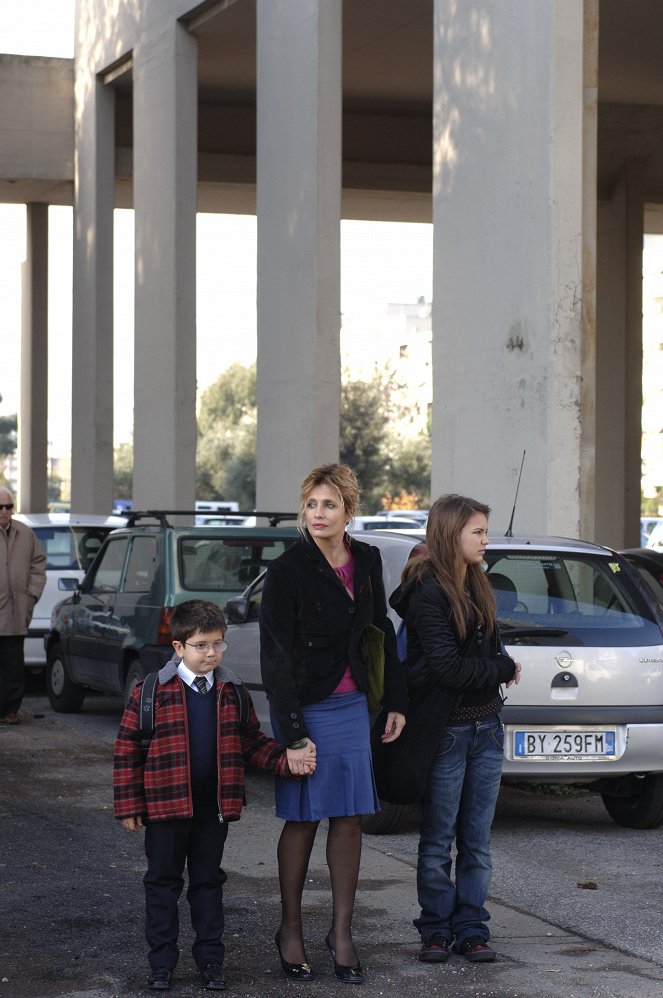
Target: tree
pixel 410 470
pixel 227 429
pixel 123 471
pixel 366 410
pixel 8 434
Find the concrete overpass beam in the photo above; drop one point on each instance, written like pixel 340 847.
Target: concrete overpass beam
pixel 298 208
pixel 33 413
pixel 92 334
pixel 509 213
pixel 165 143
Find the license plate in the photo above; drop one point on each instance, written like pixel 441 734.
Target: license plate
pixel 578 744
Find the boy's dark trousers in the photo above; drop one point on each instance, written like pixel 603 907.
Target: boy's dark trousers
pixel 198 842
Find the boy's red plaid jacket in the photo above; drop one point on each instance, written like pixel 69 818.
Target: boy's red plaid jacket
pixel 159 787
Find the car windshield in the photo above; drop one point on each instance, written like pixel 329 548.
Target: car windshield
pixel 584 599
pixel 72 547
pixel 222 564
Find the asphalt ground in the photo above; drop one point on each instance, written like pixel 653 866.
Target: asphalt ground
pixel 71 899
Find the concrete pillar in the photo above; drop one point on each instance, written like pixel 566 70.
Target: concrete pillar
pixel 33 413
pixel 298 208
pixel 165 163
pixel 509 212
pixel 92 334
pixel 619 362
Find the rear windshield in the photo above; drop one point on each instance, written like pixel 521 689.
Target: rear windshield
pixel 72 547
pixel 226 564
pixel 544 598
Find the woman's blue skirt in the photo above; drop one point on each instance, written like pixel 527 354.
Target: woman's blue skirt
pixel 343 781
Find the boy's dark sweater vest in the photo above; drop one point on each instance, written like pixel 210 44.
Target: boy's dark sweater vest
pixel 203 752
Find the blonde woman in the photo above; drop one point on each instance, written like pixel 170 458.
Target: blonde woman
pixel 318 600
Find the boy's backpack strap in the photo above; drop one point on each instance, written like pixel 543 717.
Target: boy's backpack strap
pixel 243 703
pixel 146 709
pixel 241 693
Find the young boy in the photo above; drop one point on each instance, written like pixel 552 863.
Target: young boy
pixel 189 786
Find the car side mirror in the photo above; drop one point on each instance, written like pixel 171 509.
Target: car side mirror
pixel 237 610
pixel 68 585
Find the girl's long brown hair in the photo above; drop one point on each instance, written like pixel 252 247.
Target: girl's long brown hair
pixel 466 586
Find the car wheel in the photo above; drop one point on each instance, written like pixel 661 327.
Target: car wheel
pixel 65 696
pixel 387 820
pixel 641 809
pixel 134 677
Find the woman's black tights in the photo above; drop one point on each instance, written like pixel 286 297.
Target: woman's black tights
pixel 343 856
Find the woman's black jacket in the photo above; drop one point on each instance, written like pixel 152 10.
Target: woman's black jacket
pixel 311 630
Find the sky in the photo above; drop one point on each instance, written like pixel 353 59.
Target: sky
pixel 381 262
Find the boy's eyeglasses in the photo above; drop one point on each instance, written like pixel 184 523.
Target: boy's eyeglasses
pixel 204 646
pixel 6 505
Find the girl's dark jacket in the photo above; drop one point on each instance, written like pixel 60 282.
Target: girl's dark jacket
pixel 311 630
pixel 436 656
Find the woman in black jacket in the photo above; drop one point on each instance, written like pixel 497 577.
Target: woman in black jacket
pixel 318 600
pixel 452 642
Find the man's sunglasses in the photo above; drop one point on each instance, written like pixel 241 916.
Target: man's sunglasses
pixel 6 505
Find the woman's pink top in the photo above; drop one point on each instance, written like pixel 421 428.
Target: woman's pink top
pixel 346 575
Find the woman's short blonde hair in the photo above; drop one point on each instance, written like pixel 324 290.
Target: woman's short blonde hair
pixel 338 477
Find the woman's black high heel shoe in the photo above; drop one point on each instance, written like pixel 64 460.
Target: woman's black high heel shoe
pixel 295 971
pixel 351 975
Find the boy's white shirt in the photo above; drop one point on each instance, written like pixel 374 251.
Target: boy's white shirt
pixel 189 677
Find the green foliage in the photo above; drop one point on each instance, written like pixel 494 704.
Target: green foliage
pixel 123 471
pixel 411 467
pixel 382 460
pixel 8 434
pixel 226 453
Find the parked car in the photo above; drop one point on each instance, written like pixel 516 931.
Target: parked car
pixel 647 524
pixel 420 515
pixel 589 636
pixel 114 627
pixel 649 564
pixel 70 542
pixel 589 708
pixel 384 522
pixel 656 537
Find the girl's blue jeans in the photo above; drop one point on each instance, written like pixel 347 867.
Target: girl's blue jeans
pixel 459 804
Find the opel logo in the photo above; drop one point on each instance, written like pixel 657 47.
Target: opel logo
pixel 564 660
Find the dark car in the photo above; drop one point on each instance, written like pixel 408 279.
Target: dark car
pixel 114 627
pixel 649 564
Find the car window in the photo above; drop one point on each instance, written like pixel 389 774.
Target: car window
pixel 71 547
pixel 255 599
pixel 651 583
pixel 222 564
pixel 586 599
pixel 108 572
pixel 141 566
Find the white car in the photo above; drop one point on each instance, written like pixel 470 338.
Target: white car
pixel 656 537
pixel 70 543
pixel 589 636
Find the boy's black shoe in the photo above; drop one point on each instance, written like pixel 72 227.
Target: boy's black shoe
pixel 476 950
pixel 435 950
pixel 212 976
pixel 160 979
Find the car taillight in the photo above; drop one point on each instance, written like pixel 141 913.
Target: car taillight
pixel 164 637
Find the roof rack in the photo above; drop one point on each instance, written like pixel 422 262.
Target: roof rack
pixel 162 515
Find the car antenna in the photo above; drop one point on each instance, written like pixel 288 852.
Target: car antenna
pixel 509 531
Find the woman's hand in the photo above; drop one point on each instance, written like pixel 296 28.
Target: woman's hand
pixel 302 761
pixel 394 726
pixel 516 676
